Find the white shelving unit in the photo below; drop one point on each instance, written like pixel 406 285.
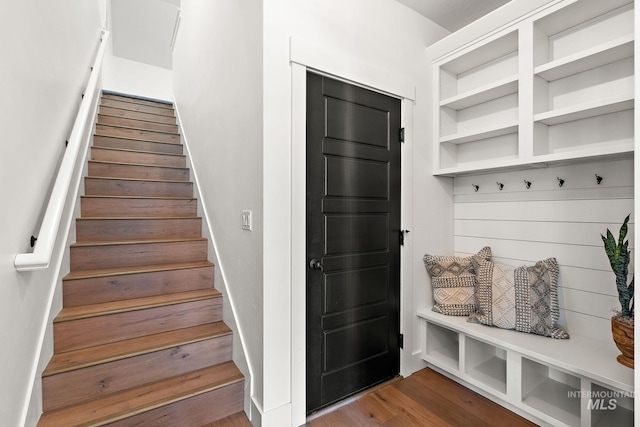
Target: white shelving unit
pixel 574 382
pixel 554 83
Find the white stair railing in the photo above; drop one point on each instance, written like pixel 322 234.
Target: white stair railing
pixel 40 258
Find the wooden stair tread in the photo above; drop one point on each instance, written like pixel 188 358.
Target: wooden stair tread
pixel 143 398
pixel 125 138
pixel 128 150
pixel 137 99
pixel 133 218
pixel 110 178
pixel 151 117
pixel 135 242
pixel 78 359
pixel 106 162
pixel 82 312
pixel 140 129
pixel 87 274
pixel 129 118
pixel 104 196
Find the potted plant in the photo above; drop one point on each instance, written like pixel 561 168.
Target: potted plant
pixel 622 321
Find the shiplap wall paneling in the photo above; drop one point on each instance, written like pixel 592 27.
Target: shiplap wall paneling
pixel 524 225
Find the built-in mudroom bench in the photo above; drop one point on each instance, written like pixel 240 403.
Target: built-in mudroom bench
pixel 533 115
pixel 574 382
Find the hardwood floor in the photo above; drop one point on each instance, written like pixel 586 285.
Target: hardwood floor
pixel 423 399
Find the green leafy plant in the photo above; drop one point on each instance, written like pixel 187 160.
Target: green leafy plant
pixel 619 257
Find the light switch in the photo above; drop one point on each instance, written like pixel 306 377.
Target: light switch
pixel 246 220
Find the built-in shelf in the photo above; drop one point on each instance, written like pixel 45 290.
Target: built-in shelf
pixel 494 90
pixel 597 56
pixel 585 110
pixel 490 132
pixel 577 55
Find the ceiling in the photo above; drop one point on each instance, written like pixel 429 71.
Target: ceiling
pixel 453 14
pixel 142 30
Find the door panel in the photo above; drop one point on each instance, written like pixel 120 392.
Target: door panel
pixel 353 225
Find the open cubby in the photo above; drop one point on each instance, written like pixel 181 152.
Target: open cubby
pixel 486 363
pixel 480 69
pixel 609 408
pixel 581 29
pixel 443 346
pixel 551 392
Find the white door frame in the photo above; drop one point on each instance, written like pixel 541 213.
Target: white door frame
pixel 303 57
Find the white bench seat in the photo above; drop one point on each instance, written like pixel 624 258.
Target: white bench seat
pixel 555 382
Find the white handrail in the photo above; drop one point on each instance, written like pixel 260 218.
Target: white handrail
pixel 40 258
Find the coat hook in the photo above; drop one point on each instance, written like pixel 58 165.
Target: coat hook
pixel 475 187
pixel 560 182
pixel 527 184
pixel 599 179
pixel 500 185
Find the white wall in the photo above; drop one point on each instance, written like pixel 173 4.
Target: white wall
pixel 377 35
pixel 523 226
pixel 47 51
pixel 136 78
pixel 218 93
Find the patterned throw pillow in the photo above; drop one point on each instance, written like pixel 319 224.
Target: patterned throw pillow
pixel 522 298
pixel 454 282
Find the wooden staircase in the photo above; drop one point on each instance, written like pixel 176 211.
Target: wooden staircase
pixel 140 340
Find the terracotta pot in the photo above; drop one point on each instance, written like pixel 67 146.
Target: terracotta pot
pixel 623 337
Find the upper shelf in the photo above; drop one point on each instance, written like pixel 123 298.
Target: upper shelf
pixel 596 56
pixel 485 93
pixel 586 110
pixel 489 132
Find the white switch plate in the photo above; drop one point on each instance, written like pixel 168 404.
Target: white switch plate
pixel 246 220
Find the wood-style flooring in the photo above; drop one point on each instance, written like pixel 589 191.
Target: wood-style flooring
pixel 424 399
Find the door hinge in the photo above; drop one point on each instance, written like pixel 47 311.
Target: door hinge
pixel 402 233
pixel 401 340
pixel 401 134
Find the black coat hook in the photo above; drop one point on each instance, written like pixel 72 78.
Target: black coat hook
pixel 475 187
pixel 500 185
pixel 560 182
pixel 599 179
pixel 527 184
pixel 33 241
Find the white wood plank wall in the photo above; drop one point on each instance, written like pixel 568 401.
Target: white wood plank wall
pixel 525 225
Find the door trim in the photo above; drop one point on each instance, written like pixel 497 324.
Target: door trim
pixel 333 64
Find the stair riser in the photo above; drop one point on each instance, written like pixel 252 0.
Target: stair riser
pixel 136 115
pixel 129 286
pixel 117 187
pixel 138 101
pixel 135 157
pixel 96 381
pixel 136 254
pixel 137 124
pixel 114 170
pixel 193 412
pixel 113 230
pixel 136 107
pixel 132 144
pixel 146 135
pixel 99 207
pixel 99 330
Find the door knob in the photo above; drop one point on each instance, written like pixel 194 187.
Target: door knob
pixel 314 264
